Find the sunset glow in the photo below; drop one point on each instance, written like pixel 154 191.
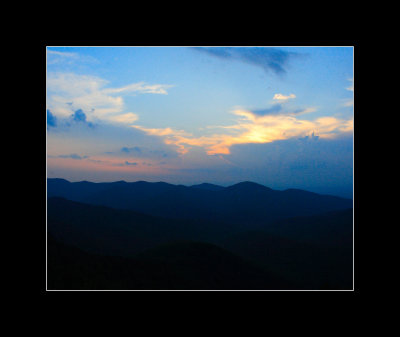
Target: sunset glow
pixel 190 115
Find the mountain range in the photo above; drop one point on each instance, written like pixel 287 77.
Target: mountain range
pixel 237 237
pixel 243 203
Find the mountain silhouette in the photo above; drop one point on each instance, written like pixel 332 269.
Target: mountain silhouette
pixel 245 203
pixel 207 186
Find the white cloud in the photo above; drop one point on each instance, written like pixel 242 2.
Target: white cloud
pixel 67 92
pixel 281 97
pixel 127 118
pixel 351 87
pixel 142 88
pixel 65 58
pixel 62 54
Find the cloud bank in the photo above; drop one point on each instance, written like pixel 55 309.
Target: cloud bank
pixel 68 93
pixel 253 128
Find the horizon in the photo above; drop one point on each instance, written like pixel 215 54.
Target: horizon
pixel 281 117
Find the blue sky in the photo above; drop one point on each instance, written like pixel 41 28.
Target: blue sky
pixel 279 116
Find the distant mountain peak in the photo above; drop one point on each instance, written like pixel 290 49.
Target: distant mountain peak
pixel 208 186
pixel 58 179
pixel 248 184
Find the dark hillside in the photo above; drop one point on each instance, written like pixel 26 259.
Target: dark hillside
pixel 177 266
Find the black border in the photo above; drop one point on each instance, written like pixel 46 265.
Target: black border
pixel 258 297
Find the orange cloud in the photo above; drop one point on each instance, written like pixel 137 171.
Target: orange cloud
pixel 252 128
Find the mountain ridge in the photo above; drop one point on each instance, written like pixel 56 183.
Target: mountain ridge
pixel 243 203
pixel 201 185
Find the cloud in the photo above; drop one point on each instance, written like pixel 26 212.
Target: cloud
pixel 51 119
pixel 77 117
pixel 281 97
pixel 141 88
pixel 80 117
pixel 304 111
pixel 129 163
pixel 349 102
pixel 278 109
pixel 63 54
pixel 171 136
pixel 145 152
pixel 134 149
pixel 311 137
pixel 71 156
pixel 253 128
pixel 68 92
pixel 351 87
pixel 54 57
pixel 161 132
pixel 67 58
pixel 273 110
pixel 268 58
pixel 126 118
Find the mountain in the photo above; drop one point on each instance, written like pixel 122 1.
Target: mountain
pixel 209 187
pixel 109 231
pixel 333 229
pixel 309 252
pixel 178 265
pixel 317 251
pixel 311 266
pixel 245 203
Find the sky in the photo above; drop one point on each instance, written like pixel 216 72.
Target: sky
pixel 277 116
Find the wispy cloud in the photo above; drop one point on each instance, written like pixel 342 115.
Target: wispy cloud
pixel 135 149
pixel 57 57
pixel 145 152
pixel 130 163
pixel 351 87
pixel 275 109
pixel 349 102
pixel 126 118
pixel 279 108
pixel 268 58
pixel 141 88
pixel 70 156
